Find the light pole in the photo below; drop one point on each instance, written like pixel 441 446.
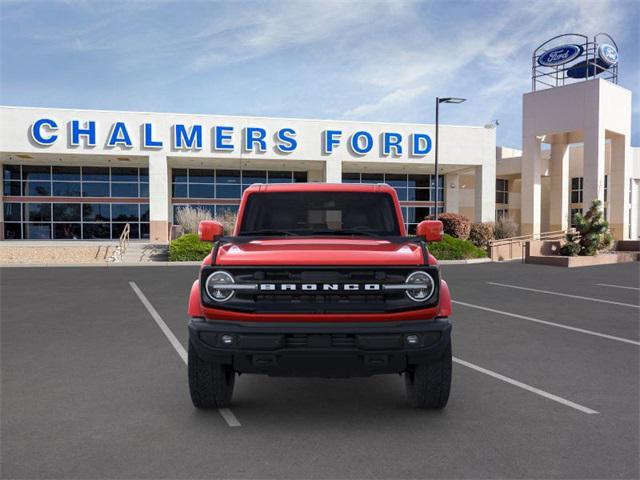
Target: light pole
pixel 438 102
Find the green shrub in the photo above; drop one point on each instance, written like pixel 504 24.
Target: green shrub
pixel 188 248
pixel 481 234
pixel 591 235
pixel 455 225
pixel 451 248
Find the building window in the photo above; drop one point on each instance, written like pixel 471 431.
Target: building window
pixel 200 185
pixel 573 212
pixel 576 190
pixel 606 187
pixel 409 188
pixel 74 221
pixel 502 191
pixel 66 214
pixel 63 181
pixel 502 213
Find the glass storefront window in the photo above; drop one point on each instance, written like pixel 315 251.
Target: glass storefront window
pixel 124 190
pixel 92 189
pixel 124 212
pixel 69 231
pixel 96 212
pixel 12 212
pixel 36 172
pixel 66 212
pixel 12 188
pixel 96 231
pixel 95 174
pixel 11 172
pixel 37 189
pixel 37 231
pixel 66 173
pixel 37 212
pixel 66 189
pixel 197 190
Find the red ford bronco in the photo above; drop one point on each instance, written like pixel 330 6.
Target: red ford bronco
pixel 320 280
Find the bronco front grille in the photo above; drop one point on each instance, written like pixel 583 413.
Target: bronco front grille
pixel 340 300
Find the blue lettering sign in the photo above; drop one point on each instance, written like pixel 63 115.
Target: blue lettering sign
pixel 119 136
pixel 186 139
pixel 420 144
pixel 37 134
pixel 89 131
pixel 221 137
pixel 357 146
pixel 330 139
pixel 391 140
pixel 147 137
pixel 253 136
pixel 286 141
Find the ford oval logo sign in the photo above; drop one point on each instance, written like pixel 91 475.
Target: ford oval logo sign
pixel 560 55
pixel 608 54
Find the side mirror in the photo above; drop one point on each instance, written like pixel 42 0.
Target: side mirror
pixel 430 230
pixel 209 230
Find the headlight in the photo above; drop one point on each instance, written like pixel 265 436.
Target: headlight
pixel 425 286
pixel 219 286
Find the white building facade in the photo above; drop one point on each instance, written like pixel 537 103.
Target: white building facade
pixel 85 174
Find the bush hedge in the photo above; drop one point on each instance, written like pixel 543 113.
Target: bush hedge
pixel 188 248
pixel 451 248
pixel 456 225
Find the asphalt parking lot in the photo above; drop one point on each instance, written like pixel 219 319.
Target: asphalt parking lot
pixel 545 385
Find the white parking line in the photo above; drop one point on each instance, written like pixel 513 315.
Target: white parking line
pixel 590 299
pixel 529 388
pixel 616 286
pixel 544 322
pixel 227 414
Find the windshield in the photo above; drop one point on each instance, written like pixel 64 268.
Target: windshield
pixel 320 213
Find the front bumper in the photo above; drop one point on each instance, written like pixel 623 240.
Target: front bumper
pixel 331 350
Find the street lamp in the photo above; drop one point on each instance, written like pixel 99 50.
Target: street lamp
pixel 438 102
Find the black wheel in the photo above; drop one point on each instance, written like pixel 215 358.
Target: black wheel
pixel 210 384
pixel 428 384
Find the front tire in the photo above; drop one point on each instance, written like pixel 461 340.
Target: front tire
pixel 428 384
pixel 210 384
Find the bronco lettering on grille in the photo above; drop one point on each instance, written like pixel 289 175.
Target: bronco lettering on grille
pixel 326 287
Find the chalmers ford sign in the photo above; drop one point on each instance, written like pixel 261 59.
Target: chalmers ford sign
pixel 196 137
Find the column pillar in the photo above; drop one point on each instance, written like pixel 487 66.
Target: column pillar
pixel 159 198
pixel 333 170
pixel 531 186
pixel 452 192
pixel 559 196
pixel 593 167
pixel 485 192
pixel 618 188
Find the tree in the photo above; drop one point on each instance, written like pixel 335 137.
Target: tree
pixel 591 235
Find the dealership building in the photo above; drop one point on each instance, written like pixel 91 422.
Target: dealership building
pixel 85 174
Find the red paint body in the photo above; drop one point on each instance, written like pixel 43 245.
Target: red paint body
pixel 329 251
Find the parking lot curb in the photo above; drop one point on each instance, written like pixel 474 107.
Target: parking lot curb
pixel 109 265
pixel 464 262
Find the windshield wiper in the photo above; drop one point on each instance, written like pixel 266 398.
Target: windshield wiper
pixel 268 231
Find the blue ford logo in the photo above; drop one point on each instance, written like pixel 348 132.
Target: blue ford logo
pixel 608 54
pixel 560 55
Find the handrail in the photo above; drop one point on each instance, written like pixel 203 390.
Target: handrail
pixel 534 236
pixel 123 244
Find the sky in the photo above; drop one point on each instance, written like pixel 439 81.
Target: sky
pixel 346 60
